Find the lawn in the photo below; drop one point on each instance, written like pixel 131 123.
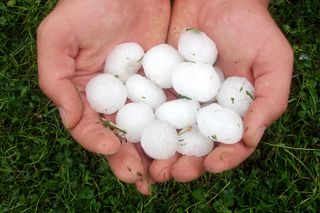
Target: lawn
pixel 42 169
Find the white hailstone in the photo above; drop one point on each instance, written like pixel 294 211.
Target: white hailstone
pixel 133 118
pixel 179 113
pixel 221 78
pixel 236 93
pixel 159 140
pixel 158 62
pixel 124 60
pixel 196 81
pixel 192 142
pixel 220 124
pixel 220 73
pixel 196 46
pixel 143 90
pixel 105 93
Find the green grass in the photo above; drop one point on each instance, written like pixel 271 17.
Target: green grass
pixel 43 170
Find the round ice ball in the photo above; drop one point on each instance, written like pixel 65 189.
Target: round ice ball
pixel 221 78
pixel 220 124
pixel 133 118
pixel 196 46
pixel 105 93
pixel 236 93
pixel 196 81
pixel 193 143
pixel 179 113
pixel 220 73
pixel 124 60
pixel 143 90
pixel 158 62
pixel 159 140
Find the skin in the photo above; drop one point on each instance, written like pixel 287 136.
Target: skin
pixel 73 41
pixel 251 45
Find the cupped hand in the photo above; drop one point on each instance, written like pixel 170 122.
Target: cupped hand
pixel 251 45
pixel 73 41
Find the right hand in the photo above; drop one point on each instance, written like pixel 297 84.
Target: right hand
pixel 250 45
pixel 73 41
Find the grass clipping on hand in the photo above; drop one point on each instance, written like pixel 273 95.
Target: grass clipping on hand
pixel 120 133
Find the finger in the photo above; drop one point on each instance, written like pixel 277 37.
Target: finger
pixel 160 170
pixel 126 164
pixel 146 160
pixel 225 157
pixel 144 185
pixel 187 168
pixel 272 72
pixel 91 133
pixel 184 15
pixel 56 46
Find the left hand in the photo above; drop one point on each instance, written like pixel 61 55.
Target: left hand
pixel 250 45
pixel 72 42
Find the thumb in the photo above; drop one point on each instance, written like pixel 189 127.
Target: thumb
pixel 272 72
pixel 56 48
pixel 184 15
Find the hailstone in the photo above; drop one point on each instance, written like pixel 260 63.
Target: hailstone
pixel 196 46
pixel 220 73
pixel 236 93
pixel 221 78
pixel 133 118
pixel 179 113
pixel 192 142
pixel 105 93
pixel 196 81
pixel 220 124
pixel 143 90
pixel 159 140
pixel 158 62
pixel 124 60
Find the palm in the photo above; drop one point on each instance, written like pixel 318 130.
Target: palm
pixel 239 30
pixel 73 42
pixel 97 33
pixel 97 30
pixel 239 34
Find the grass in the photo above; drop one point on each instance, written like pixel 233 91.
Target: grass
pixel 43 170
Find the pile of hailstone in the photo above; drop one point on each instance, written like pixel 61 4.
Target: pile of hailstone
pixel 210 108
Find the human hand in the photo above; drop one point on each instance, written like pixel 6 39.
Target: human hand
pixel 251 45
pixel 73 41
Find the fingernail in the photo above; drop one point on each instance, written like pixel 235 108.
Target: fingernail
pixel 63 115
pixel 259 134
